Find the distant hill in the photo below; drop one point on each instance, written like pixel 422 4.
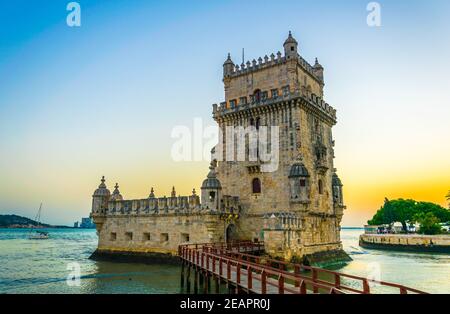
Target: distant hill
pixel 14 221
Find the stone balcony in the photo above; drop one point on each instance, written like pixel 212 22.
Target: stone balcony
pixel 321 166
pixel 312 101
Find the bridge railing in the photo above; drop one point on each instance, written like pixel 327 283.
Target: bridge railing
pixel 243 246
pixel 317 274
pixel 267 276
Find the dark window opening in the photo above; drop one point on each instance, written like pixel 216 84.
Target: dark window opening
pixel 274 93
pixel 302 183
pixel 129 236
pixel 212 196
pixel 257 95
pixel 164 237
pixel 320 187
pixel 256 186
pixel 146 236
pixel 185 237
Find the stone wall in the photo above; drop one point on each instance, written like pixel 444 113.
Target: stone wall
pixel 421 243
pixel 157 234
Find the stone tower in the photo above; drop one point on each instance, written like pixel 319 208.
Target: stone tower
pixel 284 92
pixel 292 200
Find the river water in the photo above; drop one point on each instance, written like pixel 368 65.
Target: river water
pixel 43 266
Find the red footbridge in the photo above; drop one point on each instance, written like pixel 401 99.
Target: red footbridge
pixel 241 268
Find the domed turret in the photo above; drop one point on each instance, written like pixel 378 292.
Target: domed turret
pixel 318 70
pixel 336 180
pixel 116 196
pixel 298 170
pixel 100 198
pixel 102 189
pixel 299 181
pixel 152 193
pixel 290 47
pixel 211 189
pixel 337 190
pixel 228 67
pixel 211 182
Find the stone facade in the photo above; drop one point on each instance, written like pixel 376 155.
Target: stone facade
pixel 295 208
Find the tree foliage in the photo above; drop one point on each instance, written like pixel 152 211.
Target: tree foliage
pixel 409 211
pixel 448 199
pixel 429 223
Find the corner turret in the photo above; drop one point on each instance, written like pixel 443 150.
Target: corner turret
pixel 100 198
pixel 318 70
pixel 116 196
pixel 290 47
pixel 228 67
pixel 211 189
pixel 338 198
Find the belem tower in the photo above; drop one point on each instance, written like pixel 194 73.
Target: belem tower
pixel 296 209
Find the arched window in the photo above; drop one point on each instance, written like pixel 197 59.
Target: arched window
pixel 320 187
pixel 256 186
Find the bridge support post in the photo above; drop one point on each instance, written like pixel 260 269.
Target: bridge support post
pixel 195 281
pixel 182 276
pixel 188 279
pixel 217 284
pixel 200 277
pixel 205 282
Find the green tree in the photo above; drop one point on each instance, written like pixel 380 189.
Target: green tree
pixel 406 211
pixel 448 199
pixel 429 223
pixel 441 213
pixel 396 210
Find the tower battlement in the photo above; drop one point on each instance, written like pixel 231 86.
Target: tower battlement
pixel 270 77
pixel 266 62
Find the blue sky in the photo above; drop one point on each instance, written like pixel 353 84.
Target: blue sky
pixel 101 99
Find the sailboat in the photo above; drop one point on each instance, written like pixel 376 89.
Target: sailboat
pixel 38 235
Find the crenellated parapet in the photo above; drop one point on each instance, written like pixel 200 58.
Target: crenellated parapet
pixel 271 61
pixel 155 205
pixel 111 204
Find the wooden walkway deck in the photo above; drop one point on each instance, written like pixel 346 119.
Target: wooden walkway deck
pixel 240 267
